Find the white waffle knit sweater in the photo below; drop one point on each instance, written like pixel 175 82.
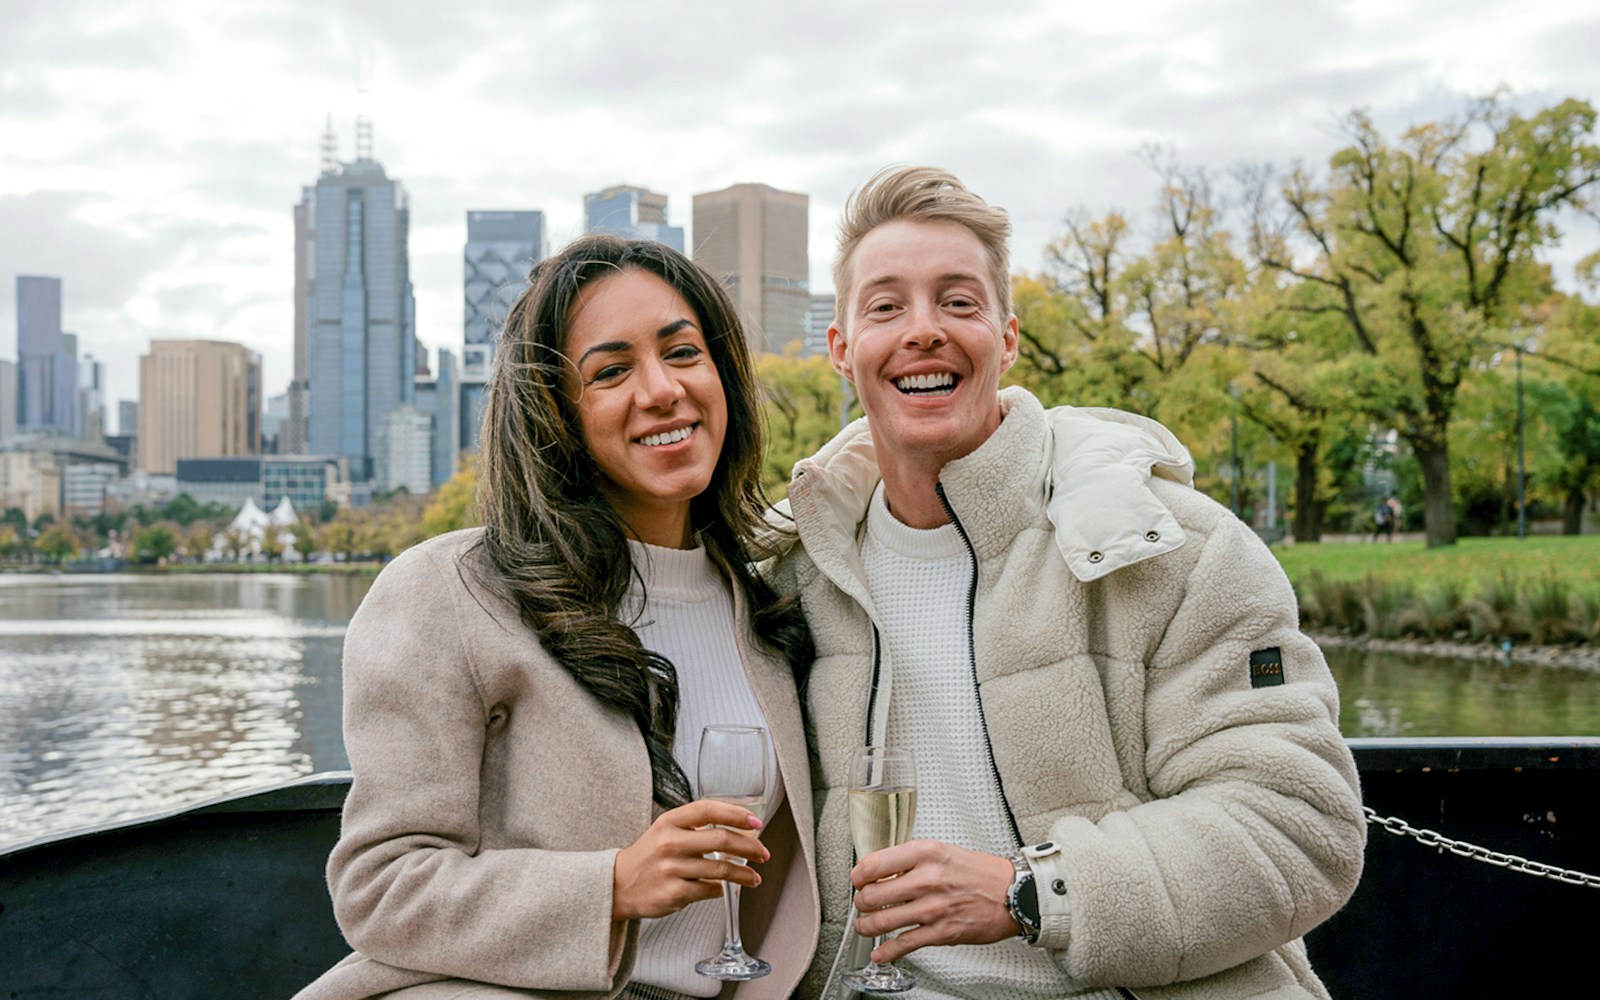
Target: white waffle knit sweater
pixel 919 581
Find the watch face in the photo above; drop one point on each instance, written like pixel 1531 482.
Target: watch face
pixel 1028 900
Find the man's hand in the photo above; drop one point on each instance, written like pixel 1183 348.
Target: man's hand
pixel 945 894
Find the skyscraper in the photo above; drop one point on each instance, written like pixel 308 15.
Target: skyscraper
pixel 754 237
pixel 197 399
pixel 355 329
pixel 8 399
pixel 501 248
pixel 439 397
pixel 47 372
pixel 632 213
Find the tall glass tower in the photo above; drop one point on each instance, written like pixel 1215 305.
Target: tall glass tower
pixel 47 364
pixel 355 311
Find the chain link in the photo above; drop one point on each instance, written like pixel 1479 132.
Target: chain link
pixel 1510 862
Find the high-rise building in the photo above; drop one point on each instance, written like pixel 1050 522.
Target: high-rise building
pixel 8 399
pixel 818 318
pixel 197 399
pixel 632 213
pixel 406 458
pixel 355 328
pixel 47 372
pixel 754 237
pixel 501 249
pixel 439 396
pixel 127 417
pixel 91 412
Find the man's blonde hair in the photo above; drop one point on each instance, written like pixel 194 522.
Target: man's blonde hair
pixel 921 194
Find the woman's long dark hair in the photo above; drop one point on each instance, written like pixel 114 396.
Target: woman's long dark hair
pixel 560 549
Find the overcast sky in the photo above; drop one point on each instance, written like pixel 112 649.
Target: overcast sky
pixel 150 153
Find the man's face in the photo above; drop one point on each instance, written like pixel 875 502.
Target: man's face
pixel 924 340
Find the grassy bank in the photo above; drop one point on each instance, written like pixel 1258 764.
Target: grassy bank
pixel 1543 589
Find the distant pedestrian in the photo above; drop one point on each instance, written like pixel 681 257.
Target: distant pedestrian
pixel 1383 519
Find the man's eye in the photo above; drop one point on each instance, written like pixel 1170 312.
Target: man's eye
pixel 961 303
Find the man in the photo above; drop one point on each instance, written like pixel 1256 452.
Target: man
pixel 1131 780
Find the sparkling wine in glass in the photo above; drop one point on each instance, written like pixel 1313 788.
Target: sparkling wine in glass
pixel 883 805
pixel 733 768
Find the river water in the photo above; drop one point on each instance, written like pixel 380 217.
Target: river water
pixel 124 695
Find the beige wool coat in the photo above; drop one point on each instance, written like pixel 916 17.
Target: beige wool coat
pixel 1187 822
pixel 491 794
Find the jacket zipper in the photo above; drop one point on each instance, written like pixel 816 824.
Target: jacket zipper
pixel 972 661
pixel 872 693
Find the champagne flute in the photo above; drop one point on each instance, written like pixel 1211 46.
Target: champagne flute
pixel 733 768
pixel 883 805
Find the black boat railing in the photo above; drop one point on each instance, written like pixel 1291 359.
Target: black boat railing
pixel 228 898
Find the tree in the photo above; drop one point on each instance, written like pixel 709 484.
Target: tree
pixel 453 505
pixel 304 539
pixel 274 540
pixel 12 544
pixel 57 543
pixel 1425 249
pixel 802 398
pixel 155 543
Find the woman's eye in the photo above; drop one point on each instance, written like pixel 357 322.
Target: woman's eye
pixel 684 352
pixel 607 374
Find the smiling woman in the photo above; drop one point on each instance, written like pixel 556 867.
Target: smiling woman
pixel 524 702
pixel 650 402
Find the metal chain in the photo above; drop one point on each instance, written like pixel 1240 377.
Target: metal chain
pixel 1511 862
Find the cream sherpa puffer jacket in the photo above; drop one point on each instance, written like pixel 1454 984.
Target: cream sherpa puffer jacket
pixel 1189 815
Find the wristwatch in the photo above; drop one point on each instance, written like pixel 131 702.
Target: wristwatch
pixel 1022 899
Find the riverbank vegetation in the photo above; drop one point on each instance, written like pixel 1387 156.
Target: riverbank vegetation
pixel 1540 590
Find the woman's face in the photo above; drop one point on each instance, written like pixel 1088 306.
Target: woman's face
pixel 649 401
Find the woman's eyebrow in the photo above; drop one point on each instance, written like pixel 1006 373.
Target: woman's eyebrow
pixel 615 346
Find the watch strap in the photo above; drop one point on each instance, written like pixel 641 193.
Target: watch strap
pixel 1022 899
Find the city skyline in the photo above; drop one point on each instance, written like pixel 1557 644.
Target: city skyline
pixel 153 157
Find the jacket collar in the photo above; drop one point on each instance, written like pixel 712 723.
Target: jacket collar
pixel 1087 467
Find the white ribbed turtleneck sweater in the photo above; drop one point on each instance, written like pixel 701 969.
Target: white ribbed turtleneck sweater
pixel 684 611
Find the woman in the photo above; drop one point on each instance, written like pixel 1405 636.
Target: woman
pixel 523 702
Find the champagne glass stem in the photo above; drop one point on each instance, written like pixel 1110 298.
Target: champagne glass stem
pixel 731 942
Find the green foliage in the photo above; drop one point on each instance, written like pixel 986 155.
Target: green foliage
pixel 57 543
pixel 155 543
pixel 1542 590
pixel 802 399
pixel 1423 247
pixel 455 504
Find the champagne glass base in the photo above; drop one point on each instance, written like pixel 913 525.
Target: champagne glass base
pixel 878 979
pixel 733 965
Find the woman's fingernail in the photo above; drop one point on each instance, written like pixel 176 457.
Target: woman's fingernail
pixel 755 822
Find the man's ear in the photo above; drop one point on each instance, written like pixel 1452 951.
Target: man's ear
pixel 839 352
pixel 1008 343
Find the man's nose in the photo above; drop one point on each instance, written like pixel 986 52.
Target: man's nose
pixel 923 329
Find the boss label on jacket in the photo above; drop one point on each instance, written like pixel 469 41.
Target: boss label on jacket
pixel 1266 667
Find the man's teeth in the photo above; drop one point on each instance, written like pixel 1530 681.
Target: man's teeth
pixel 926 383
pixel 652 440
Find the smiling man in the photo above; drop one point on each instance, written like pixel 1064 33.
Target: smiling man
pixel 1131 779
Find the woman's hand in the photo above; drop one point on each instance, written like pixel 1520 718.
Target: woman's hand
pixel 945 894
pixel 666 869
